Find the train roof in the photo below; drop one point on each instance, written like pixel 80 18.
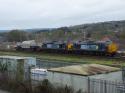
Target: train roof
pixel 78 42
pixel 93 42
pixel 28 42
pixel 54 42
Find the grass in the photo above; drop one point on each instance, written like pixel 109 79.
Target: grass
pixel 67 58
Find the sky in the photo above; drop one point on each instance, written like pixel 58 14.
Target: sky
pixel 25 14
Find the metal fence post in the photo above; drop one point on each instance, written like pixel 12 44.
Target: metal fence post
pixel 88 85
pixel 123 74
pixel 105 84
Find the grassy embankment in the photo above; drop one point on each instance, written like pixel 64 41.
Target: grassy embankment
pixel 67 58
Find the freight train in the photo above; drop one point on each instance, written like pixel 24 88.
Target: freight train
pixel 85 47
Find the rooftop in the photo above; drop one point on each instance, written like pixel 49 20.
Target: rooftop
pixel 38 70
pixel 14 57
pixel 85 69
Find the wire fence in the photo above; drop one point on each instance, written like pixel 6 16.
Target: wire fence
pixel 90 85
pixel 104 86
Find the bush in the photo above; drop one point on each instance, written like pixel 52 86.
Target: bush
pixel 26 87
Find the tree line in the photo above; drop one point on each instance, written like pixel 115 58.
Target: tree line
pixel 16 36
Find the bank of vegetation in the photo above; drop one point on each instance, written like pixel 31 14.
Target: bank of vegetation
pixel 15 85
pixel 84 59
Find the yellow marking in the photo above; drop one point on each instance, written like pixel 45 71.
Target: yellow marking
pixel 70 46
pixel 112 48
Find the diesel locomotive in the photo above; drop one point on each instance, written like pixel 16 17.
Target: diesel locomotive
pixel 85 47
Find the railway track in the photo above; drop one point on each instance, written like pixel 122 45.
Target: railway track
pixel 118 56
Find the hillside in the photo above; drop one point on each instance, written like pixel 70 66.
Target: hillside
pixel 115 30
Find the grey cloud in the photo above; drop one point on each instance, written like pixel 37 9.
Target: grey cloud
pixel 56 13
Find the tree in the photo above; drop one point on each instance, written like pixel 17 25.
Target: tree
pixel 88 35
pixel 17 35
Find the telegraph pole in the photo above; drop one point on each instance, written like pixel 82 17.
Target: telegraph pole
pixel 84 34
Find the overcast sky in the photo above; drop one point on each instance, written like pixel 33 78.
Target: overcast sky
pixel 19 14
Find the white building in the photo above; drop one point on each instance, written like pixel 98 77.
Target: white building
pixel 81 77
pixel 77 76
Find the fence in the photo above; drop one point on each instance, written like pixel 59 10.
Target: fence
pixel 104 86
pixel 86 84
pixel 123 74
pixel 91 85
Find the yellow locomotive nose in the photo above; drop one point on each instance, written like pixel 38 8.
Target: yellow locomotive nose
pixel 69 46
pixel 112 48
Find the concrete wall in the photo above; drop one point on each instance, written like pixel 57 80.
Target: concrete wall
pixel 19 65
pixel 81 82
pixel 113 76
pixel 75 81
